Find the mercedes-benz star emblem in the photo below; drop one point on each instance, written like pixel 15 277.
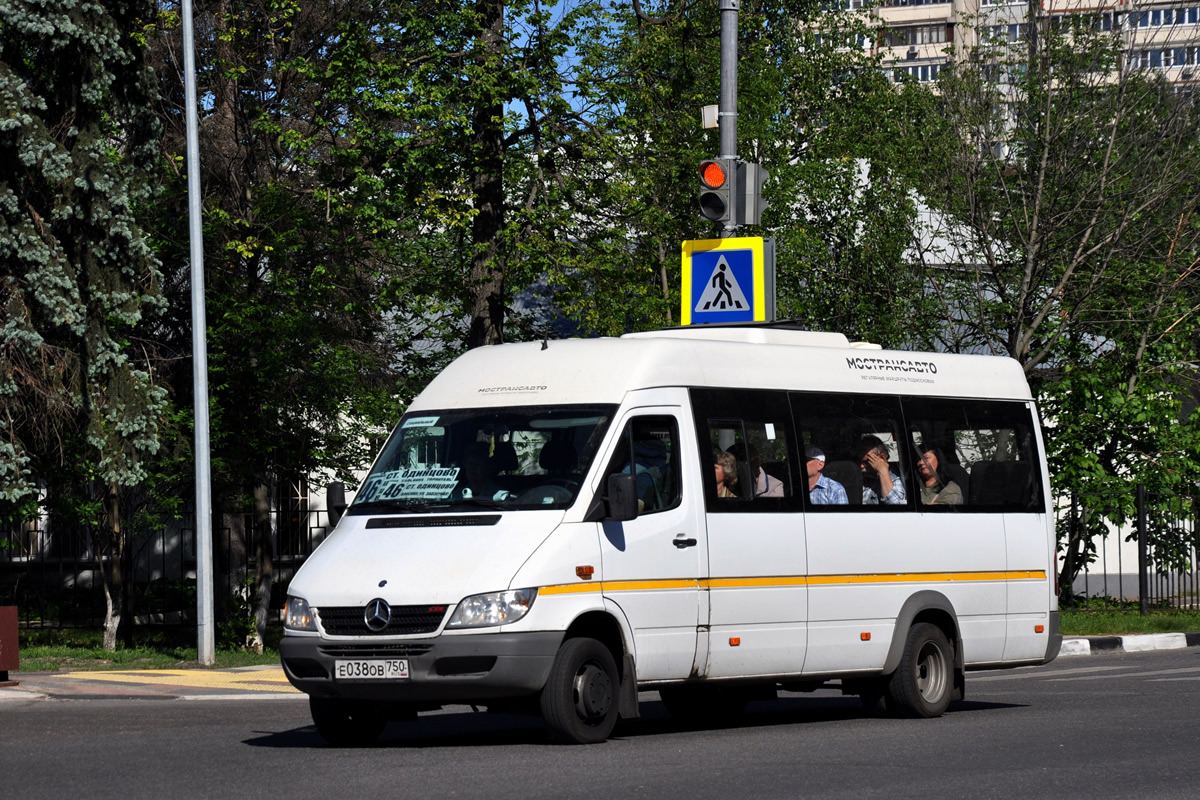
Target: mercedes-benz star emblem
pixel 377 614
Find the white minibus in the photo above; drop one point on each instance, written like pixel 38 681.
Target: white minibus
pixel 714 513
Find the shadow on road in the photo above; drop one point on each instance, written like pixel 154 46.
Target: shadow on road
pixel 482 729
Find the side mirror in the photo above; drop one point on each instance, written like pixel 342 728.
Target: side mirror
pixel 618 504
pixel 335 499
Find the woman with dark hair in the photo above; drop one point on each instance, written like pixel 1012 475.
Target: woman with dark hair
pixel 937 489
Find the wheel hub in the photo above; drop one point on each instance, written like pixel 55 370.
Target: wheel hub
pixel 593 693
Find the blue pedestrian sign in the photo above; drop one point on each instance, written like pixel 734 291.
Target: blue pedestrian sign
pixel 723 281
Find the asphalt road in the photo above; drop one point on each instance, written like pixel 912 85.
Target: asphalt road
pixel 1113 726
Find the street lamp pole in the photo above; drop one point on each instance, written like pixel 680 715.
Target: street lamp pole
pixel 205 650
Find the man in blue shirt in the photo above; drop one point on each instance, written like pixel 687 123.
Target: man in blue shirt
pixel 822 490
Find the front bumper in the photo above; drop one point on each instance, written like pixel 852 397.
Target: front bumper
pixel 443 669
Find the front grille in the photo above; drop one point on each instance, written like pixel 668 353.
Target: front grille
pixel 375 650
pixel 406 620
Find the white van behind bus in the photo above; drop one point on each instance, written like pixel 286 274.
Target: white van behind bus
pixel 544 530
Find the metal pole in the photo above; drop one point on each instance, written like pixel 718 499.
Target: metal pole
pixel 1143 551
pixel 727 110
pixel 205 649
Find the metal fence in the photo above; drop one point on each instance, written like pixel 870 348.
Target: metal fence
pixel 1129 547
pixel 1134 546
pixel 53 576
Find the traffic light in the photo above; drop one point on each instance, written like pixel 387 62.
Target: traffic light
pixel 718 181
pixel 750 204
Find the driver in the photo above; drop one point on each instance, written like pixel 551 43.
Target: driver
pixel 478 477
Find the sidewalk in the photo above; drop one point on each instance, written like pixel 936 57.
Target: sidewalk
pixel 262 682
pixel 269 683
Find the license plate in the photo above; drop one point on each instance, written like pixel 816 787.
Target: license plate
pixel 382 669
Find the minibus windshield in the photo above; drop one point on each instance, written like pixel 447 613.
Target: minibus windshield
pixel 505 458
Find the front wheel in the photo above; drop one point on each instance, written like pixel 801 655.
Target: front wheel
pixel 921 686
pixel 346 723
pixel 579 702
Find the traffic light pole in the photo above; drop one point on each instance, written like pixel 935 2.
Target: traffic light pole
pixel 727 110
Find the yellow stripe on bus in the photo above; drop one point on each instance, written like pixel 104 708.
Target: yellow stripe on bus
pixel 739 583
pixel 792 580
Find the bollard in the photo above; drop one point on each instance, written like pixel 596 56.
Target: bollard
pixel 10 654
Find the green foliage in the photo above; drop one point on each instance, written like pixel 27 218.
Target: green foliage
pixel 237 625
pixel 386 183
pixel 78 276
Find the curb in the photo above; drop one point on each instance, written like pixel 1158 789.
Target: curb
pixel 1091 645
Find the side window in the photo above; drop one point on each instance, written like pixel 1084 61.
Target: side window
pixel 853 453
pixel 974 455
pixel 650 450
pixel 747 433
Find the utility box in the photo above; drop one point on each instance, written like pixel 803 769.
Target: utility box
pixel 10 654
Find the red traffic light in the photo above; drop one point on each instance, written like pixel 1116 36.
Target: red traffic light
pixel 712 174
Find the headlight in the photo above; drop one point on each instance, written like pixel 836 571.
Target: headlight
pixel 493 608
pixel 297 616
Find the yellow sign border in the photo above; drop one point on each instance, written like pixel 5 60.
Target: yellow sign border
pixel 751 243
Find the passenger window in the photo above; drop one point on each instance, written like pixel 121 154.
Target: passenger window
pixel 986 449
pixel 747 433
pixel 649 449
pixel 852 450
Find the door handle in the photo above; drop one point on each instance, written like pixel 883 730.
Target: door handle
pixel 682 543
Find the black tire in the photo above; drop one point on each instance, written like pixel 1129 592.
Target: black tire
pixel 717 705
pixel 579 702
pixel 924 682
pixel 346 723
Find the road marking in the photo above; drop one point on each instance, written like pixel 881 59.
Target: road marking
pixel 1025 675
pixel 271 679
pixel 1168 680
pixel 1130 674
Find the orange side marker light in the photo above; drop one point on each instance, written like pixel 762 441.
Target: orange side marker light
pixel 1039 628
pixel 586 571
pixel 865 636
pixel 735 641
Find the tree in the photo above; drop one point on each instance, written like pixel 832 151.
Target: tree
pixel 77 144
pixel 357 222
pixel 1069 242
pixel 835 135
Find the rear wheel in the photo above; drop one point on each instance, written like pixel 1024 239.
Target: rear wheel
pixel 346 723
pixel 579 702
pixel 923 683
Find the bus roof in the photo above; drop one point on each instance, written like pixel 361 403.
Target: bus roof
pixel 767 357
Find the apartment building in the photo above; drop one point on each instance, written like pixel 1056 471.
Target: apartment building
pixel 919 36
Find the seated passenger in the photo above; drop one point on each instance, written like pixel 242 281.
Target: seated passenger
pixel 764 485
pixel 937 488
pixel 822 490
pixel 880 484
pixel 726 468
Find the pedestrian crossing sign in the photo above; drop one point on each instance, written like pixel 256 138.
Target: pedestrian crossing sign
pixel 723 281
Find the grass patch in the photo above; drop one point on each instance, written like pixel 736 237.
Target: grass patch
pixel 1118 621
pixel 49 650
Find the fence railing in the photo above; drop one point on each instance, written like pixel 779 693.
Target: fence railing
pixel 1132 546
pixel 53 576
